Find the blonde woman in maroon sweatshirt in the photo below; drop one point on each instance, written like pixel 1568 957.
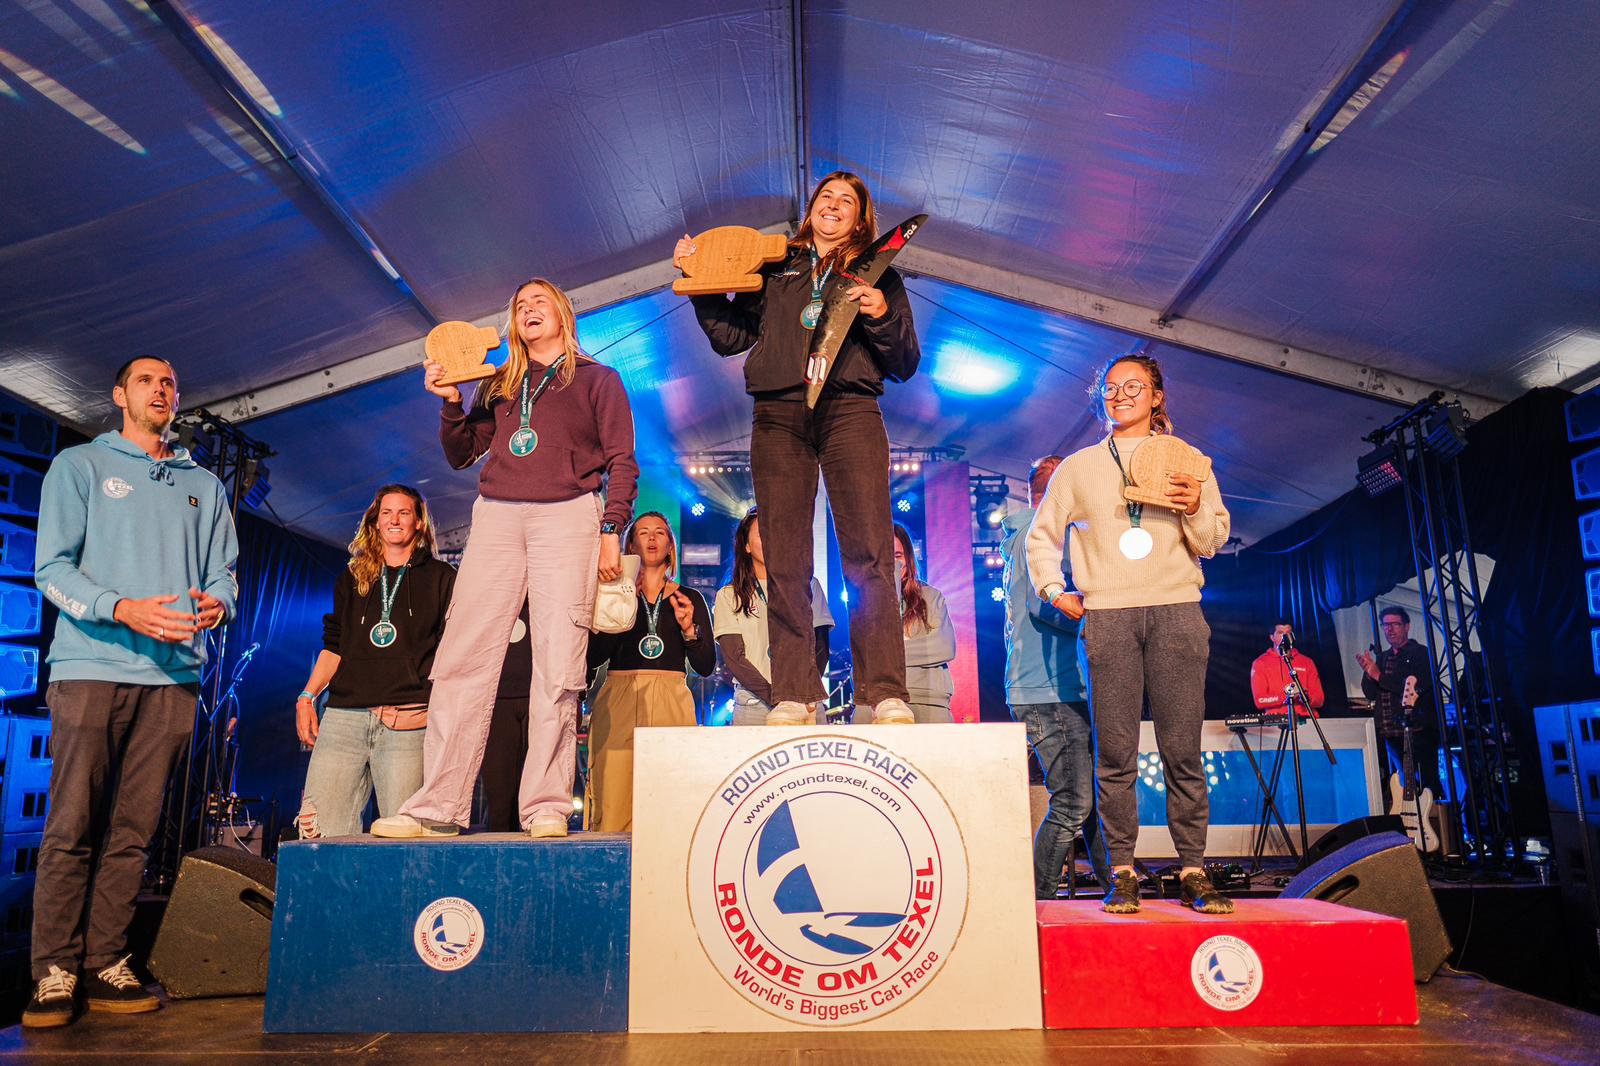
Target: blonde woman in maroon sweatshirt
pixel 555 426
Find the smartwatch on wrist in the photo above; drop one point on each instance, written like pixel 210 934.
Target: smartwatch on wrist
pixel 608 527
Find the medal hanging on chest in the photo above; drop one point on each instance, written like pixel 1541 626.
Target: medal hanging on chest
pixel 525 439
pixel 811 313
pixel 1135 542
pixel 650 645
pixel 384 632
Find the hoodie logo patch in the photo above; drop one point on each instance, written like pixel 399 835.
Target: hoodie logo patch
pixel 194 501
pixel 115 487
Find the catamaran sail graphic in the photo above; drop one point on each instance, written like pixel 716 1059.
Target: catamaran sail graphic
pixel 778 851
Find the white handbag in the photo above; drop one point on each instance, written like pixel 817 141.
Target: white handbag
pixel 616 603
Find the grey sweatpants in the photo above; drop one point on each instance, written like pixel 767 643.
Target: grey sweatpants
pixel 1159 651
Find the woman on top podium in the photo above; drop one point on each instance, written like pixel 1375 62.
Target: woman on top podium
pixel 554 423
pixel 843 435
pixel 1138 578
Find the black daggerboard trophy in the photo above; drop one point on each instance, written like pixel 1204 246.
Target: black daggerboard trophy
pixel 838 311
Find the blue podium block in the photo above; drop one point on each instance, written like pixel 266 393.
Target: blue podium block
pixel 485 933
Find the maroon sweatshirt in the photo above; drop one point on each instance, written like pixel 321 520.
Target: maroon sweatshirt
pixel 585 433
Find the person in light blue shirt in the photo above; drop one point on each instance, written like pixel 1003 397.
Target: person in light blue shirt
pixel 137 549
pixel 1047 690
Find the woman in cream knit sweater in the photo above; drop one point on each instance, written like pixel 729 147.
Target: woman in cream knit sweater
pixel 1137 578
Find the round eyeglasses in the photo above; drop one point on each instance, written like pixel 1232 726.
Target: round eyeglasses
pixel 1130 388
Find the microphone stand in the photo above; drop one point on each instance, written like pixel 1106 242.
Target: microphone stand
pixel 1296 693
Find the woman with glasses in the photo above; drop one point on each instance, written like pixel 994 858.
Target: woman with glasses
pixel 929 634
pixel 1137 574
pixel 646 684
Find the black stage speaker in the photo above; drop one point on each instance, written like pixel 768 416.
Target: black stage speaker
pixel 1352 831
pixel 1381 873
pixel 214 937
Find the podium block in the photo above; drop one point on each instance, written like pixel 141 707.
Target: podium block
pixel 485 933
pixel 1271 962
pixel 874 877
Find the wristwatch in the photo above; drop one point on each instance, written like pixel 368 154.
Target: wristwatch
pixel 608 527
pixel 1051 591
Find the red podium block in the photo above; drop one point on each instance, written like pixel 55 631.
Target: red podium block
pixel 1271 962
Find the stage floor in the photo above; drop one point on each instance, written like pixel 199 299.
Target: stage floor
pixel 1464 1020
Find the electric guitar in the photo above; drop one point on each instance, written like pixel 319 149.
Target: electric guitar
pixel 1413 806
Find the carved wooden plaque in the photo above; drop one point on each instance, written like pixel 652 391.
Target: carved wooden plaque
pixel 1157 457
pixel 726 259
pixel 462 347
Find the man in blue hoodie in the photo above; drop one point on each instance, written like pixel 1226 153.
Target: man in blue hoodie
pixel 136 548
pixel 1046 688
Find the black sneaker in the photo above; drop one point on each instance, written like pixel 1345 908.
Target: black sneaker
pixel 117 990
pixel 1124 895
pixel 1197 891
pixel 53 1002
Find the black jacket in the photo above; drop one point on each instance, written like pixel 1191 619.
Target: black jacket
pixel 767 323
pixel 370 676
pixel 1394 666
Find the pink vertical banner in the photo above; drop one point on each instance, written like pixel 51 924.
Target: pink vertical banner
pixel 947 510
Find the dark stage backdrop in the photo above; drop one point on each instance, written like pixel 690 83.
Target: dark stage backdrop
pixel 1516 478
pixel 285 587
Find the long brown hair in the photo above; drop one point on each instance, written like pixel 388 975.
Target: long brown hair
pixel 507 381
pixel 672 541
pixel 913 607
pixel 1160 420
pixel 745 589
pixel 366 550
pixel 861 236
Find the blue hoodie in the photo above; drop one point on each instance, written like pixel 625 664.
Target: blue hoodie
pixel 115 524
pixel 1042 654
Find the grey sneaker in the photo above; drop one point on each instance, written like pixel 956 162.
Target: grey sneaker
pixel 54 1001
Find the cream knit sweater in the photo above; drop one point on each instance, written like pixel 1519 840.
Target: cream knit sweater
pixel 1085 495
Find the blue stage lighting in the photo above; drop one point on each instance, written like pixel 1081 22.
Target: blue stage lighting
pixel 997 594
pixel 698 509
pixel 903 505
pixel 961 368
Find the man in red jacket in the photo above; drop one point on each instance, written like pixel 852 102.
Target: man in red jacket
pixel 1269 676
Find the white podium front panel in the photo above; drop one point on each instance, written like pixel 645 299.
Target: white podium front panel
pixel 870 877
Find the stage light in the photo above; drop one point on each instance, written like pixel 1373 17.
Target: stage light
pixel 1445 431
pixel 997 594
pixel 903 505
pixel 994 561
pixel 253 482
pixel 916 465
pixel 698 509
pixel 1379 470
pixel 962 368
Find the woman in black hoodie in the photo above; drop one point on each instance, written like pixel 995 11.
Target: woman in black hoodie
pixel 388 613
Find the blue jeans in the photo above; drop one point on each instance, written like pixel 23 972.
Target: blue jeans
pixel 1062 742
pixel 354 756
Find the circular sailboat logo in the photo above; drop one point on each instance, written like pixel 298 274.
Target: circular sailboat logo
pixel 828 881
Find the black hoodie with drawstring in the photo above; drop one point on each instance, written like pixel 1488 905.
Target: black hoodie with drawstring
pixel 370 676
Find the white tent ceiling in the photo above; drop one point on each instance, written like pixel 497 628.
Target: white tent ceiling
pixel 269 194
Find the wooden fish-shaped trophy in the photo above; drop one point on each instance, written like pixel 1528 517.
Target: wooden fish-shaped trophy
pixel 462 348
pixel 728 259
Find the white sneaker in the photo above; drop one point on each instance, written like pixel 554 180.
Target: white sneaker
pixel 892 712
pixel 789 712
pixel 403 826
pixel 547 825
